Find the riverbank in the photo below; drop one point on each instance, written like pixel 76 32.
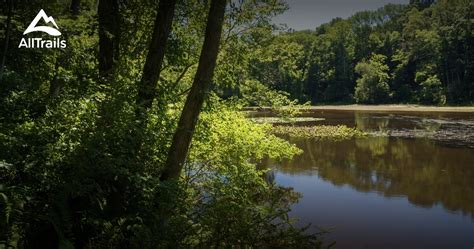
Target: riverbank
pixel 381 108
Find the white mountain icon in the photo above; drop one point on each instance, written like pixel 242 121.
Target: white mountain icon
pixel 46 29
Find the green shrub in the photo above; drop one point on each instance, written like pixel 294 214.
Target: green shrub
pixel 373 86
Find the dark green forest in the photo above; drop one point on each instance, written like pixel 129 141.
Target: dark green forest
pixel 418 53
pixel 95 138
pixel 132 136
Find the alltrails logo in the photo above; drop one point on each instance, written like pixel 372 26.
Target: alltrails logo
pixel 39 42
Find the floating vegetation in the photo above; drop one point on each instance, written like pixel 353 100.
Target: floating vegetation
pixel 281 120
pixel 340 132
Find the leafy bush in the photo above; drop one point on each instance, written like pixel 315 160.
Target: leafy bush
pixel 432 91
pixel 372 87
pixel 75 168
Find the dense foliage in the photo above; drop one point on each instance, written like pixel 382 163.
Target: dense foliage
pixel 428 48
pixel 81 155
pixel 372 86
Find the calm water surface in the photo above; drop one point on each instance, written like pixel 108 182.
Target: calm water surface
pixel 413 187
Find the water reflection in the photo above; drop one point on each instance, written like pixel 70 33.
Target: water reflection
pixel 409 186
pixel 420 170
pixel 363 121
pixel 451 129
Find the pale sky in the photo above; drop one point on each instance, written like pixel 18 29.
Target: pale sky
pixel 308 14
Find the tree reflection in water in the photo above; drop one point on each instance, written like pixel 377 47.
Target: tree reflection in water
pixel 424 172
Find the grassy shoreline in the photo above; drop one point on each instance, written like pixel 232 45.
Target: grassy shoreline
pixel 381 108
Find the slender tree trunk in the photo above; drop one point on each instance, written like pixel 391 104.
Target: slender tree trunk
pixel 109 34
pixel 7 37
pixel 156 54
pixel 75 4
pixel 199 90
pixel 152 68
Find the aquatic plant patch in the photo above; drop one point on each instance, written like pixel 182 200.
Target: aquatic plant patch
pixel 339 132
pixel 282 120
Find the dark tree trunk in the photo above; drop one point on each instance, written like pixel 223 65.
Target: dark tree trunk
pixel 75 4
pixel 7 37
pixel 156 54
pixel 109 34
pixel 199 90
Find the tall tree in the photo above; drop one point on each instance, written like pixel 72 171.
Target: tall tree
pixel 199 90
pixel 109 37
pixel 156 54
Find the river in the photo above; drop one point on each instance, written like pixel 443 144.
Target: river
pixel 409 185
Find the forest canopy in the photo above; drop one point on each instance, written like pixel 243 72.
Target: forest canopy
pixel 428 48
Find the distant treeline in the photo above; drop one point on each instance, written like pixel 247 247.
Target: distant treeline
pixel 417 53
